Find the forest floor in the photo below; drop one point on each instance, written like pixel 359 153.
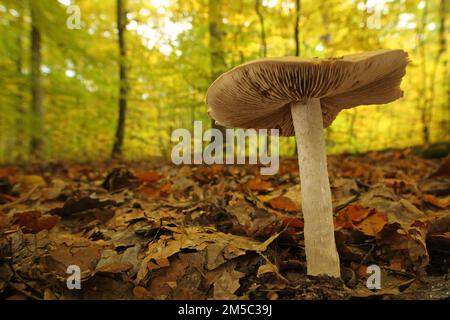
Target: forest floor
pixel 156 231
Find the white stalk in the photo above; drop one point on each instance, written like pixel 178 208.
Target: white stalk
pixel 321 254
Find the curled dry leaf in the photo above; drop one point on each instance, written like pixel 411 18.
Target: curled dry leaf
pixel 440 202
pixel 266 268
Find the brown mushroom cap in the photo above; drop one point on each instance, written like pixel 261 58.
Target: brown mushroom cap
pixel 258 94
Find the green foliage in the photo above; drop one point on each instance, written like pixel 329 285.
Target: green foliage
pixel 169 69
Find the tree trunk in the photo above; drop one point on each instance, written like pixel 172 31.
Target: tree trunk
pixel 297 28
pixel 423 100
pixel 21 115
pixel 123 85
pixel 216 35
pixel 437 60
pixel 263 48
pixel 37 110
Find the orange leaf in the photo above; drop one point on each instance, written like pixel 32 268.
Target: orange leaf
pixel 5 172
pixel 141 292
pixel 162 191
pixel 258 185
pixel 165 189
pixel 355 216
pixel 8 197
pixel 356 172
pixel 438 202
pixel 293 222
pixel 216 168
pixel 283 203
pixel 372 224
pixel 149 191
pixel 148 177
pixel 351 213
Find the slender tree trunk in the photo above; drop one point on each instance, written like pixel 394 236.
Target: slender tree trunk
pixel 423 98
pixel 37 110
pixel 216 35
pixel 263 48
pixel 297 28
pixel 21 114
pixel 123 85
pixel 441 50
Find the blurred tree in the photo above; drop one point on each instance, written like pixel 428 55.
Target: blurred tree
pixel 176 48
pixel 123 85
pixel 37 107
pixel 216 42
pixel 263 28
pixel 297 27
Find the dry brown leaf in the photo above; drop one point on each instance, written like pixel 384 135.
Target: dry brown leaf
pixel 439 202
pixel 443 170
pixel 352 213
pixel 34 221
pixel 283 203
pixel 69 250
pixel 140 292
pixel 259 185
pixel 7 171
pixel 221 247
pixel 373 223
pixel 266 268
pixel 148 177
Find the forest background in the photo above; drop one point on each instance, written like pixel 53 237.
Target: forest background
pixel 132 71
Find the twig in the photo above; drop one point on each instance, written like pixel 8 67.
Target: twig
pixel 21 200
pixel 274 267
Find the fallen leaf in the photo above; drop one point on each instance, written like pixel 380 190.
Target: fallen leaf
pixel 259 185
pixel 438 201
pixel 7 171
pixel 140 292
pixel 27 182
pixel 34 221
pixel 78 205
pixel 352 213
pixel 119 179
pixel 293 223
pixel 283 203
pixel 443 170
pixel 148 177
pixel 373 223
pixel 266 268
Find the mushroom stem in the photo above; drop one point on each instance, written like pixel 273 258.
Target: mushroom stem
pixel 321 254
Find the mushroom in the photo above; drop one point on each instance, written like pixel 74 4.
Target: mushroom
pixel 301 97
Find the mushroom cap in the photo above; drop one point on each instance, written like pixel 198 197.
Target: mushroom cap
pixel 258 94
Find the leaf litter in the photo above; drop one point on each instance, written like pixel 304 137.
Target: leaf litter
pixel 152 231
